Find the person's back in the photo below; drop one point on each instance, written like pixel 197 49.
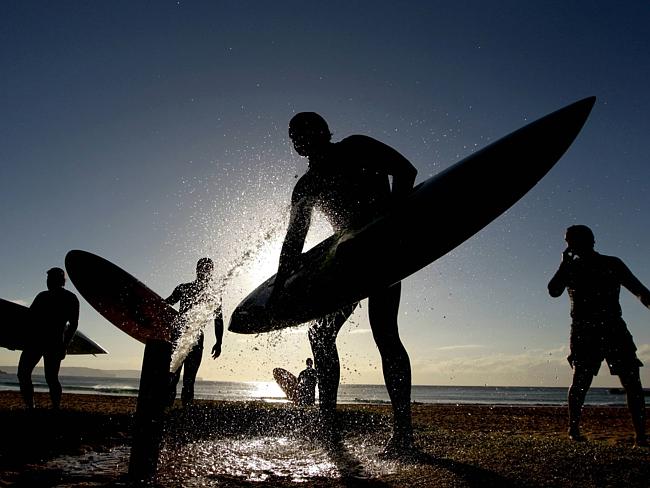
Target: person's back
pixel 52 311
pixel 56 317
pixel 307 380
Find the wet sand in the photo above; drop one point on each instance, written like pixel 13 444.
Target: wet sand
pixel 237 444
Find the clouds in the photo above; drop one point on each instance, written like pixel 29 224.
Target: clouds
pixel 532 367
pixel 535 367
pixel 360 331
pixel 461 347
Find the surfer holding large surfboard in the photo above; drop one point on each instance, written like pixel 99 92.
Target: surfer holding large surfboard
pixel 56 315
pixel 348 181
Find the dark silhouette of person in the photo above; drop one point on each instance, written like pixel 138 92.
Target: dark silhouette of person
pixel 348 181
pixel 598 332
pixel 189 295
pixel 307 380
pixel 56 318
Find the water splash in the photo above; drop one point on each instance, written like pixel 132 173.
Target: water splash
pixel 247 459
pixel 267 459
pixel 193 321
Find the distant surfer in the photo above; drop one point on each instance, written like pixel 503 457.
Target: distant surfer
pixel 56 316
pixel 349 182
pixel 307 380
pixel 598 332
pixel 196 293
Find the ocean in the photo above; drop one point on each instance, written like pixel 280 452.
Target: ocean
pixel 348 393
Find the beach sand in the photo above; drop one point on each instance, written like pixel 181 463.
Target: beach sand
pixel 236 444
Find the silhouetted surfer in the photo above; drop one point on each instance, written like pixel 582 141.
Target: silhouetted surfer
pixel 349 182
pixel 189 295
pixel 598 331
pixel 56 317
pixel 307 380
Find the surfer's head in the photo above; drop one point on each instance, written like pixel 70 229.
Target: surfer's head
pixel 204 267
pixel 55 278
pixel 309 133
pixel 579 238
pixel 309 362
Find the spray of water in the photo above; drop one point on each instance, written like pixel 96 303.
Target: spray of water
pixel 192 322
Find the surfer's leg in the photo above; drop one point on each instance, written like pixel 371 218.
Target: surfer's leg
pixel 190 370
pixel 52 365
pixel 582 378
pixel 173 383
pixel 635 403
pixel 383 308
pixel 322 337
pixel 26 364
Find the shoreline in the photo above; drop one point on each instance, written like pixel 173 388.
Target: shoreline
pixel 369 395
pixel 459 445
pixel 358 402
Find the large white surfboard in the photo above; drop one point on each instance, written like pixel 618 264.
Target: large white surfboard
pixel 440 213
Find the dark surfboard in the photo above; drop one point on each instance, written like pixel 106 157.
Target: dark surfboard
pixel 17 328
pixel 287 382
pixel 119 297
pixel 440 214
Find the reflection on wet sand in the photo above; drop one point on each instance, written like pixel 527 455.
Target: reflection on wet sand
pixel 87 444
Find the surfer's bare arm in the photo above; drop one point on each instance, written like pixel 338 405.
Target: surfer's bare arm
pixel 404 174
pixel 632 283
pixel 396 165
pixel 175 296
pixel 558 282
pixel 299 220
pixel 218 333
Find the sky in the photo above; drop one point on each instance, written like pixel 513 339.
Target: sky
pixel 155 133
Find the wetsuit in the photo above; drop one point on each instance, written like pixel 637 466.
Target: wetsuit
pixel 189 294
pixel 307 380
pixel 56 316
pixel 349 183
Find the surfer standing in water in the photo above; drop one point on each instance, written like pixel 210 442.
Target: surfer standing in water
pixel 56 315
pixel 598 331
pixel 348 181
pixel 307 380
pixel 190 295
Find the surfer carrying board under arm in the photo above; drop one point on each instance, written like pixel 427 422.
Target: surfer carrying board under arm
pixel 348 181
pixel 190 295
pixel 56 320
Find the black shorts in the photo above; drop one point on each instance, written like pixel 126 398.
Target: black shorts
pixel 593 341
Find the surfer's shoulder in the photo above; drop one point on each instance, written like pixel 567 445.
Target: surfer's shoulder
pixel 180 291
pixel 356 140
pixel 304 186
pixel 612 261
pixel 612 264
pixel 71 296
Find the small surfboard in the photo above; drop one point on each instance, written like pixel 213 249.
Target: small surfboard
pixel 439 214
pixel 16 329
pixel 119 297
pixel 287 382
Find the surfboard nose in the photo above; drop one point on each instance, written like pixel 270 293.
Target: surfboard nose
pixel 576 113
